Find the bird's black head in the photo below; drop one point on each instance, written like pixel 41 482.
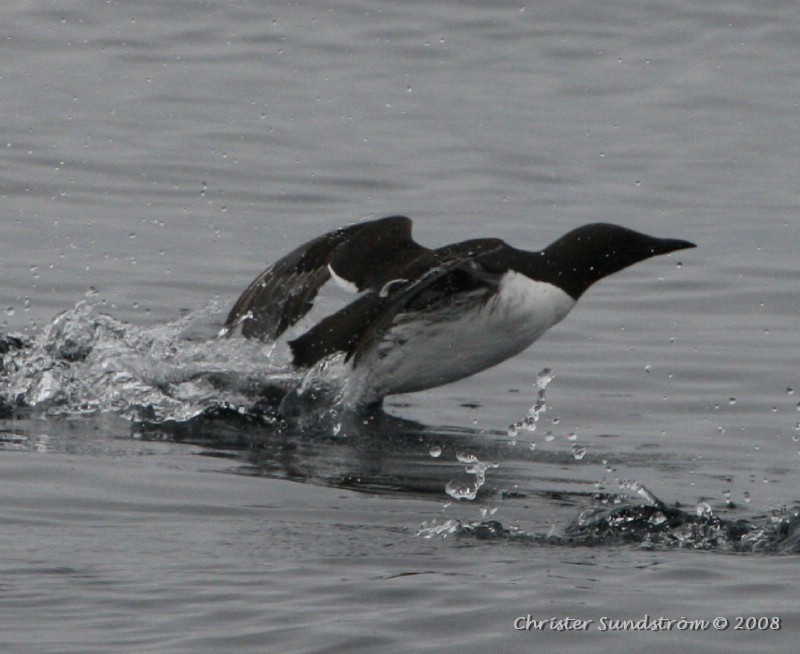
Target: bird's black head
pixel 587 254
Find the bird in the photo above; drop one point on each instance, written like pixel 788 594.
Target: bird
pixel 425 317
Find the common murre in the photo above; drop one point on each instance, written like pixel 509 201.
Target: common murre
pixel 426 317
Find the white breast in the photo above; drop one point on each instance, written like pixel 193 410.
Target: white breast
pixel 464 335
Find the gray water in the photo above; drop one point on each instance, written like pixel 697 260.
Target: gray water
pixel 157 155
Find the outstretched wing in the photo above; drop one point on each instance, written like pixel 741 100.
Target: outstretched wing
pixel 359 255
pixel 422 283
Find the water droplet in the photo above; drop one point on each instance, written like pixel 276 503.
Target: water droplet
pixel 10 311
pixel 703 510
pixel 578 451
pixel 572 437
pixel 727 495
pixel 532 446
pixel 549 437
pixel 435 451
pixel 731 401
pixel 679 265
pixel 544 377
pixel 790 391
pixel 746 496
pixel 458 490
pixel 648 368
pixel 528 423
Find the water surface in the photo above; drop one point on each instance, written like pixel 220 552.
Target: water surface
pixel 158 155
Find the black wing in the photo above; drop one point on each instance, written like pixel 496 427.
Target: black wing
pixel 363 255
pixel 423 282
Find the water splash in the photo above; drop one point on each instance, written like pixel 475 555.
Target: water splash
pixel 87 362
pixel 646 527
pixel 704 510
pixel 435 528
pixel 460 489
pixel 539 406
pixel 641 490
pixel 320 393
pixel 651 525
pixel 480 530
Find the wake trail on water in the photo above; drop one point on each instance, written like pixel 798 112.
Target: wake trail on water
pixel 87 363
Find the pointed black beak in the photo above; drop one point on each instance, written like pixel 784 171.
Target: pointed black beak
pixel 667 245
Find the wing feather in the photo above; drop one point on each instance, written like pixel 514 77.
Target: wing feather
pixel 285 292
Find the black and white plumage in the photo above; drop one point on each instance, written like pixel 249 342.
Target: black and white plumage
pixel 426 317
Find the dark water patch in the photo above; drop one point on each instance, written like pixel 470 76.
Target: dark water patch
pixel 385 455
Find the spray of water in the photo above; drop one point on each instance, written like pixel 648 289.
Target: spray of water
pixel 88 362
pixel 539 406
